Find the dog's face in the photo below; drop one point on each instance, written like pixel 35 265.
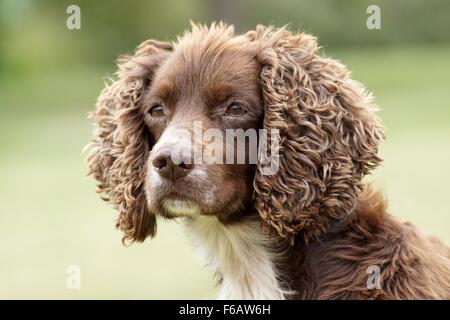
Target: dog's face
pixel 326 132
pixel 208 87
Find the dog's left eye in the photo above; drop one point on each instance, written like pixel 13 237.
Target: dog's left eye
pixel 156 111
pixel 235 110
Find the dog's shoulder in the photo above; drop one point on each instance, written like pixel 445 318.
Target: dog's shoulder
pixel 372 255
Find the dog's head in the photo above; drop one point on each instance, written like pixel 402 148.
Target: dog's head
pixel 170 132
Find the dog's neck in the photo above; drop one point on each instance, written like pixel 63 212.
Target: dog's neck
pixel 244 258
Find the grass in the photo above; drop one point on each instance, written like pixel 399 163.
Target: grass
pixel 51 218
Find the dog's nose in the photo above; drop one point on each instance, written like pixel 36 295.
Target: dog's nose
pixel 167 169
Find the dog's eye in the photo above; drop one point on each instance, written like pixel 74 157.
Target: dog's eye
pixel 235 110
pixel 156 111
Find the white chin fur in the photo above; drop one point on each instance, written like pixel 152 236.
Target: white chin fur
pixel 182 208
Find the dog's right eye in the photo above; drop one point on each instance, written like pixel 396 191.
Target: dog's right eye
pixel 156 111
pixel 235 110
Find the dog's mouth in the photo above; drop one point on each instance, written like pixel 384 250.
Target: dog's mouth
pixel 176 205
pixel 196 196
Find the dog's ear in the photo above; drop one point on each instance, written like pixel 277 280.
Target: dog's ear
pixel 328 132
pixel 120 144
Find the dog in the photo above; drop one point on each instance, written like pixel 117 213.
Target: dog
pixel 311 228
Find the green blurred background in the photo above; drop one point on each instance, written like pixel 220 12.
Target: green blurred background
pixel 50 76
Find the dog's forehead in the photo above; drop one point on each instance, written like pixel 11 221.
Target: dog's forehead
pixel 214 71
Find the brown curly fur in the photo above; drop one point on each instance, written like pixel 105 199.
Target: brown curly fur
pixel 329 134
pixel 333 225
pixel 336 267
pixel 118 151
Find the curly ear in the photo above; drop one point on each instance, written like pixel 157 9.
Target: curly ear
pixel 120 146
pixel 328 131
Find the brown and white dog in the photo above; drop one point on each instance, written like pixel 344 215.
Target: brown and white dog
pixel 309 230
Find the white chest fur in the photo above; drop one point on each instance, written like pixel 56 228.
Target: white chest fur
pixel 240 254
